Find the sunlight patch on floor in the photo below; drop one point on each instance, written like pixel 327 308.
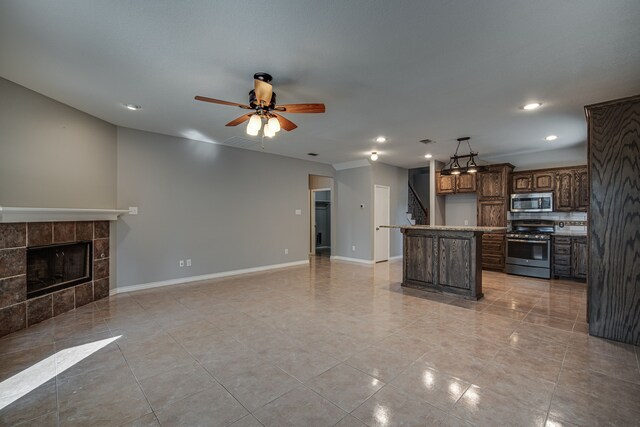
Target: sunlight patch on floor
pixel 34 376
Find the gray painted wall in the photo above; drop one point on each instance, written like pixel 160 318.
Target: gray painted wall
pixel 52 155
pixel 461 207
pixel 353 224
pixel 397 179
pixel 225 208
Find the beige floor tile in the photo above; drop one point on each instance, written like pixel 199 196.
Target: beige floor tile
pixel 35 404
pixel 435 387
pixel 148 420
pixel 210 408
pixel 48 419
pixel 246 421
pixel 176 384
pixel 257 385
pixel 299 407
pixel 350 421
pixel 262 334
pixel 345 386
pixel 303 364
pixel 393 407
pixel 383 364
pixel 115 406
pixel 484 407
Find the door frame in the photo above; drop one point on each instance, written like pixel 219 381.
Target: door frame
pixel 312 217
pixel 388 251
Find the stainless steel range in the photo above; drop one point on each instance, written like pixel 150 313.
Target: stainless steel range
pixel 529 248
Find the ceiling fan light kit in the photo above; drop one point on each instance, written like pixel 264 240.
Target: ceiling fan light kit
pixel 374 156
pixel 262 100
pixel 453 166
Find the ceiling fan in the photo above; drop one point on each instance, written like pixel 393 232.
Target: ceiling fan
pixel 262 102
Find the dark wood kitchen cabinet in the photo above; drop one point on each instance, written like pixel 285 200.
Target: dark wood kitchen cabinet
pixel 569 257
pixel 452 184
pixel 570 186
pixel 614 247
pixel 493 205
pixel 533 182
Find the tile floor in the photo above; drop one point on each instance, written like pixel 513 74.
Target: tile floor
pixel 330 344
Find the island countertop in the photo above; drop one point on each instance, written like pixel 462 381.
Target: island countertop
pixel 447 228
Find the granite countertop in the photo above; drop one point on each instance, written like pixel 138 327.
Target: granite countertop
pixel 569 233
pixel 447 228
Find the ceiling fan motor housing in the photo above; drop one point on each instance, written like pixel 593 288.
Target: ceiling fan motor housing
pixel 253 101
pixel 265 77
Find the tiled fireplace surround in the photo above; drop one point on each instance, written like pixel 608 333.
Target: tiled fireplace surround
pixel 16 311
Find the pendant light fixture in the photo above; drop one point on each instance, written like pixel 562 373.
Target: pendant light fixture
pixel 269 129
pixel 453 166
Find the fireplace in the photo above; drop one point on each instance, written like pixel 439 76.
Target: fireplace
pixel 52 268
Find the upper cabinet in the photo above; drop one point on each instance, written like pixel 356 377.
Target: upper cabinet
pixel 569 185
pixel 493 183
pixel 533 182
pixel 572 189
pixel 451 184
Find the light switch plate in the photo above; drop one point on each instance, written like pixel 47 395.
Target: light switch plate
pixel 298 211
pixel 133 210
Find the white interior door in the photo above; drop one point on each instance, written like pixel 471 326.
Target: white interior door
pixel 381 216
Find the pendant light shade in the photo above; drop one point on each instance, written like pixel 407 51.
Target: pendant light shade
pixel 472 167
pixel 274 124
pixel 255 122
pixel 454 168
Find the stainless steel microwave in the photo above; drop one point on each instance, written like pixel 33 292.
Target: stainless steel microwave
pixel 532 202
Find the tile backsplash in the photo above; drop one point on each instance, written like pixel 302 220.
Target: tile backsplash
pixel 574 222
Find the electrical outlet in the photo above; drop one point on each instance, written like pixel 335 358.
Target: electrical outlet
pixel 298 211
pixel 353 248
pixel 466 222
pixel 181 263
pixel 286 251
pixel 189 262
pixel 133 210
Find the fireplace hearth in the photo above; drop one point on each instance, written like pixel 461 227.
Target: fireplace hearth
pixel 55 267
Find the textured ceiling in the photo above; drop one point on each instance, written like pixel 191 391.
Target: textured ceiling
pixel 404 69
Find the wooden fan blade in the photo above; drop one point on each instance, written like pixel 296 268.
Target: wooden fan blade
pixel 301 108
pixel 263 91
pixel 241 119
pixel 285 124
pixel 219 101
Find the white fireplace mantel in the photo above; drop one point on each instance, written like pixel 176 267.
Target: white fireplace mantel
pixel 13 214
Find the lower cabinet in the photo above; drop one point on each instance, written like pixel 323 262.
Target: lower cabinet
pixel 493 247
pixel 570 257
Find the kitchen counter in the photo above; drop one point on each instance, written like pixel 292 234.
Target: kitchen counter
pixel 448 228
pixel 443 259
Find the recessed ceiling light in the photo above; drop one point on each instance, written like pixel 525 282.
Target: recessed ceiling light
pixel 428 156
pixel 551 137
pixel 381 139
pixel 532 106
pixel 374 156
pixel 133 107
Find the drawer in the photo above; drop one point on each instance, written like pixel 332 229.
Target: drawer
pixel 495 248
pixel 581 239
pixel 492 262
pixel 561 250
pixel 562 240
pixel 562 271
pixel 562 260
pixel 493 237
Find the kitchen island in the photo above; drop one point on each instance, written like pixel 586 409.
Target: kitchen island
pixel 444 259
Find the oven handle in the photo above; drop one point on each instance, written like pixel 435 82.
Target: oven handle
pixel 526 241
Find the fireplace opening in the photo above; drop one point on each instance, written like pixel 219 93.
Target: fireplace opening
pixel 56 267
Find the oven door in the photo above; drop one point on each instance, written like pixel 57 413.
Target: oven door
pixel 532 253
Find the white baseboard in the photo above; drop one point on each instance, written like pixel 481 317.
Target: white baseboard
pixel 357 260
pixel 181 280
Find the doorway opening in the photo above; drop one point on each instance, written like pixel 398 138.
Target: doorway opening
pixel 321 215
pixel 381 216
pixel 321 222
